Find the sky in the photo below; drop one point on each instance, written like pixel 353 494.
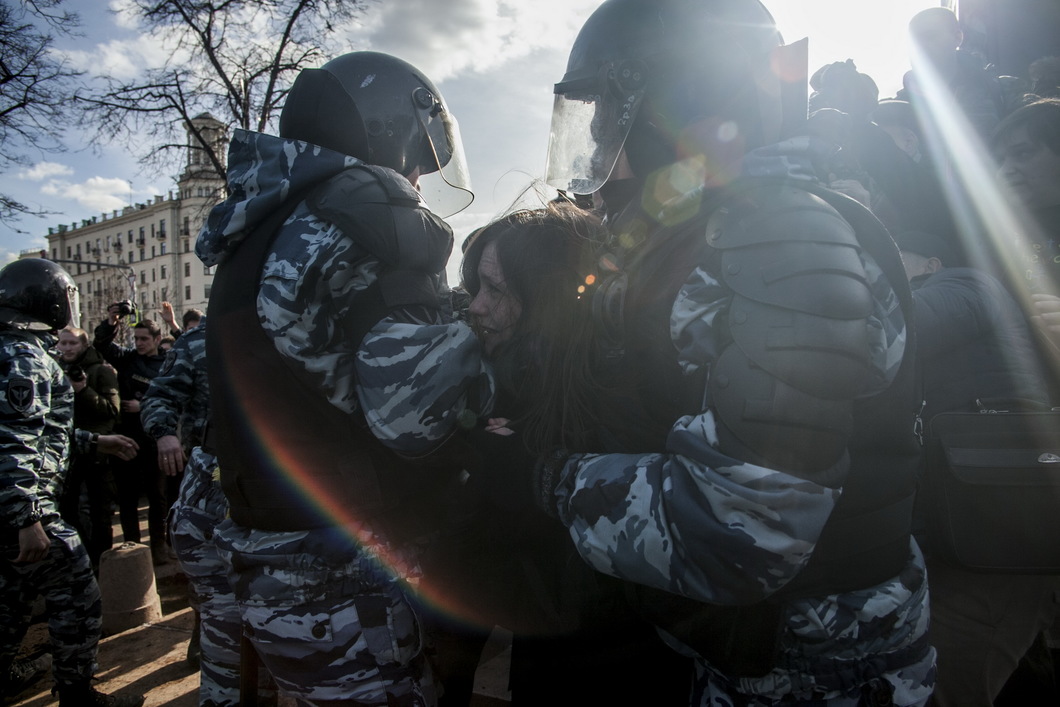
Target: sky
pixel 495 62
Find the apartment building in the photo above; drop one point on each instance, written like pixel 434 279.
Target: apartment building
pixel 145 252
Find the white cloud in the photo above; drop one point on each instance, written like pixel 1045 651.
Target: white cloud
pixel 45 170
pixel 7 256
pixel 449 39
pixel 124 13
pixel 122 59
pixel 97 193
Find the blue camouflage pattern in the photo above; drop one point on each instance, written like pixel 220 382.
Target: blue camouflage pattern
pixel 71 599
pixel 330 621
pixel 81 442
pixel 413 374
pixel 200 507
pixel 693 521
pixel 36 422
pixel 177 401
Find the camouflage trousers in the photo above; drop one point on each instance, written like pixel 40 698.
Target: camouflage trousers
pixel 71 596
pixel 866 648
pixel 200 506
pixel 329 622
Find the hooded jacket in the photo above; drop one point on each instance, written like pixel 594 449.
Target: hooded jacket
pixel 338 381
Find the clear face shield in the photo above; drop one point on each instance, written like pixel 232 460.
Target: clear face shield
pixel 591 118
pixel 446 184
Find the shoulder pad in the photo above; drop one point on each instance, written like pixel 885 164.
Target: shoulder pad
pixel 362 184
pixel 383 214
pixel 769 213
pixel 784 246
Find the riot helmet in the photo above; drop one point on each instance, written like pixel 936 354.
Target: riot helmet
pixel 384 111
pixel 660 79
pixel 38 295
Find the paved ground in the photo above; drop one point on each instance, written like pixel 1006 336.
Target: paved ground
pixel 149 659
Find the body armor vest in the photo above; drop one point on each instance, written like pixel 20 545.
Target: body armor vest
pixel 866 539
pixel 290 460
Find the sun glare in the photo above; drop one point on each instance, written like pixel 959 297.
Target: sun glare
pixel 873 34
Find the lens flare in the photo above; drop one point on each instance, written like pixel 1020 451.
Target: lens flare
pixel 994 229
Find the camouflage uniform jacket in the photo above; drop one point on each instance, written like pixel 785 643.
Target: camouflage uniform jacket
pixel 691 520
pixel 36 419
pixel 178 399
pixel 414 372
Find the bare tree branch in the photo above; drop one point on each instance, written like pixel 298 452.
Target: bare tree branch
pixel 35 88
pixel 233 59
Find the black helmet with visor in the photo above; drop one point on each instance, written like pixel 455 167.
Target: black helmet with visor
pixel 643 74
pixel 386 112
pixel 38 295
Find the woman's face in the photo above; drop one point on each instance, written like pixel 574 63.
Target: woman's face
pixel 494 310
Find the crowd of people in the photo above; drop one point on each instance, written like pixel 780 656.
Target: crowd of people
pixel 669 429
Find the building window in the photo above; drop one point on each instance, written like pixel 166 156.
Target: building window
pixel 153 251
pixel 141 233
pixel 162 272
pixel 187 226
pixel 187 293
pixel 142 254
pixel 130 256
pixel 143 279
pixel 69 253
pixel 207 270
pixel 55 253
pixel 162 248
pixel 162 228
pixel 187 245
pixel 89 290
pixel 206 289
pixel 153 278
pixel 187 269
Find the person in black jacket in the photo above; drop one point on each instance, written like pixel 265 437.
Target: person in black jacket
pixel 137 366
pixel 974 339
pixel 974 344
pixel 96 408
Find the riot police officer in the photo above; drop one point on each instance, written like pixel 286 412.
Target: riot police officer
pixel 41 554
pixel 757 471
pixel 335 370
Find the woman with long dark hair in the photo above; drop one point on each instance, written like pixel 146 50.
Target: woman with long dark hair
pixel 531 277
